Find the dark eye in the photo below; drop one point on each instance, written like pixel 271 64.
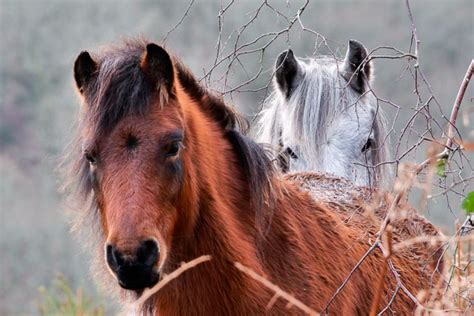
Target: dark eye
pixel 173 149
pixel 90 158
pixel 291 153
pixel 369 144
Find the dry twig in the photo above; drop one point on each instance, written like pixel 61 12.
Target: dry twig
pixel 380 283
pixel 278 291
pixel 167 279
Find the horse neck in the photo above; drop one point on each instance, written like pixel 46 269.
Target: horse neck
pixel 222 224
pixel 219 186
pixel 224 227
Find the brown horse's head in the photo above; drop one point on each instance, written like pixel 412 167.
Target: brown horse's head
pixel 157 149
pixel 134 152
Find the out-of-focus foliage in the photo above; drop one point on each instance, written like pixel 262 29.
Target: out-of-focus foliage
pixel 468 203
pixel 61 300
pixel 441 167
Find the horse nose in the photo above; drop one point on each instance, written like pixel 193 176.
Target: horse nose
pixel 134 268
pixel 148 252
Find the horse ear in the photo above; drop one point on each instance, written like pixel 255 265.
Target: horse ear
pixel 286 72
pixel 358 75
pixel 84 69
pixel 157 65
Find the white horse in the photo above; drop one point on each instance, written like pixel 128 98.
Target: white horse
pixel 322 116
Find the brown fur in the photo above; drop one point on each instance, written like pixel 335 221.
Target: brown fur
pixel 357 205
pixel 218 197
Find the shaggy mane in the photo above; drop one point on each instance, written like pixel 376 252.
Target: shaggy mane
pixel 120 89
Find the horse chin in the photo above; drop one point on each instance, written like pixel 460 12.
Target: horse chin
pixel 138 281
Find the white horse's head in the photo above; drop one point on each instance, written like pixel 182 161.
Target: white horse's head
pixel 323 117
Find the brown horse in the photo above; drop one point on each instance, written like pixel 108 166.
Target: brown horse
pixel 170 178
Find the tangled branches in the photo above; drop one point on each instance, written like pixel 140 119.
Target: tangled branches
pixel 422 132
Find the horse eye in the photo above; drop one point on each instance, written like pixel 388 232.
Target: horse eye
pixel 291 153
pixel 90 158
pixel 173 149
pixel 369 144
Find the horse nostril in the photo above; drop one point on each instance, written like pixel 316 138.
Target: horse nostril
pixel 112 257
pixel 148 252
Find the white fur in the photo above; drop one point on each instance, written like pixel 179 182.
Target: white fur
pixel 326 124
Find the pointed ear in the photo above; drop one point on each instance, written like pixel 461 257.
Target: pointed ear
pixel 157 65
pixel 84 68
pixel 287 71
pixel 352 69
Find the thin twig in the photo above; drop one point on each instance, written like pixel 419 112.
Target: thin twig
pixel 413 31
pixel 457 103
pixel 380 283
pixel 168 278
pixel 429 239
pixel 276 289
pixel 179 22
pixel 346 280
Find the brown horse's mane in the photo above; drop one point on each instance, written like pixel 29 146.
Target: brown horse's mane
pixel 119 77
pixel 255 161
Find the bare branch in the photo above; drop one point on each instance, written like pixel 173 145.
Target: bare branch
pixel 165 38
pixel 420 128
pixel 380 283
pixel 278 291
pixel 167 279
pixel 354 269
pixel 457 104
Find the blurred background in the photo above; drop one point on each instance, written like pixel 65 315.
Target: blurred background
pixel 38 105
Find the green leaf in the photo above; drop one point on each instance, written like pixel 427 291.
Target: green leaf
pixel 468 203
pixel 441 167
